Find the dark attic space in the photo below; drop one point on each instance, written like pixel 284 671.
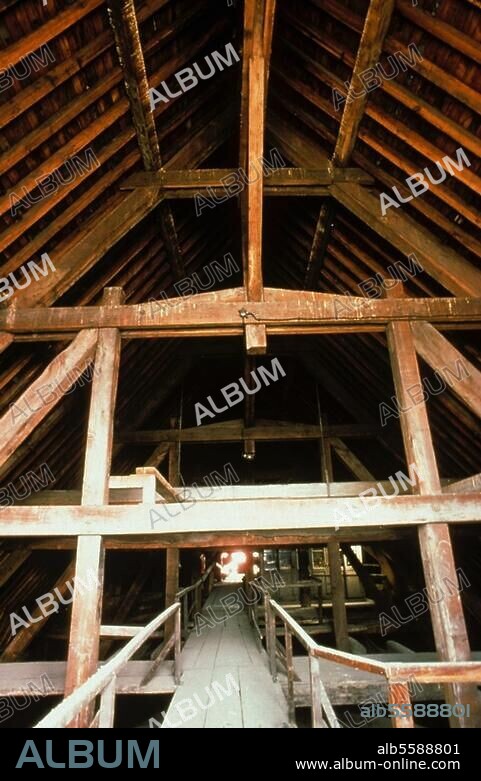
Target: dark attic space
pixel 240 366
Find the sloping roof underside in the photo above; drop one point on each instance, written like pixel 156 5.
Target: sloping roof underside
pixel 78 101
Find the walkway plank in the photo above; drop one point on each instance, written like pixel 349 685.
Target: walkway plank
pixel 226 658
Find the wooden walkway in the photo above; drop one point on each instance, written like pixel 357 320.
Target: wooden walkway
pixel 226 680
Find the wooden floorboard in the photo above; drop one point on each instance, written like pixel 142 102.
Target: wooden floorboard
pixel 225 667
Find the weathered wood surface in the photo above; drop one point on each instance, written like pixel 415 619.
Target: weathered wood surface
pixel 228 648
pixel 303 181
pixel 45 392
pixel 282 516
pixel 83 649
pixel 15 677
pixel 235 430
pixel 449 626
pixel 376 25
pixel 439 353
pixel 225 313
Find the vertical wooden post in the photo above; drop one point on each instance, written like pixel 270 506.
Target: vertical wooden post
pixel 319 603
pixel 172 554
pixel 107 705
pixel 255 150
pixel 399 695
pixel 290 674
pixel 177 648
pixel 185 614
pixel 338 596
pixel 271 639
pixel 171 585
pixel 434 539
pixel 315 681
pixel 83 652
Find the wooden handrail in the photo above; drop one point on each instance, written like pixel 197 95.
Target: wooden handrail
pixel 435 672
pixel 162 485
pixel 101 680
pixel 396 674
pixel 196 587
pixel 295 628
pixel 197 583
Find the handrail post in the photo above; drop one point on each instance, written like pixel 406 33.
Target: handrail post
pixel 107 705
pixel 271 637
pixel 398 695
pixel 186 614
pixel 315 681
pixel 290 674
pixel 177 648
pixel 319 600
pixel 198 597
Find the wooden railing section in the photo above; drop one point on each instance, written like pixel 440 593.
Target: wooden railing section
pixel 397 675
pixel 103 682
pixel 195 595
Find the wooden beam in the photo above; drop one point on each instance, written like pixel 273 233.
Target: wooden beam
pixel 5 341
pixel 84 640
pixel 158 455
pixel 280 515
pixel 338 596
pixel 95 487
pixel 77 254
pixel 376 25
pixel 20 642
pixel 45 392
pixel 249 446
pixel 238 540
pixel 254 84
pixel 11 564
pixel 350 460
pixel 336 577
pixel 255 339
pixel 448 83
pixel 350 401
pixel 468 485
pixel 124 607
pixel 129 494
pixel 131 58
pixel 320 241
pixel 235 431
pixel 304 181
pixel 162 486
pixel 403 232
pixel 225 313
pixel 439 353
pixel 437 556
pixel 451 270
pixel 172 555
pixel 129 48
pixel 446 33
pixel 44 33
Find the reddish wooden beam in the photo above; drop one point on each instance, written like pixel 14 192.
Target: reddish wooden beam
pixel 463 377
pixel 282 311
pixel 45 393
pixel 127 37
pixel 84 639
pixel 282 515
pixel 437 556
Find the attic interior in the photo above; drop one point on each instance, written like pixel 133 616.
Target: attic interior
pixel 236 345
